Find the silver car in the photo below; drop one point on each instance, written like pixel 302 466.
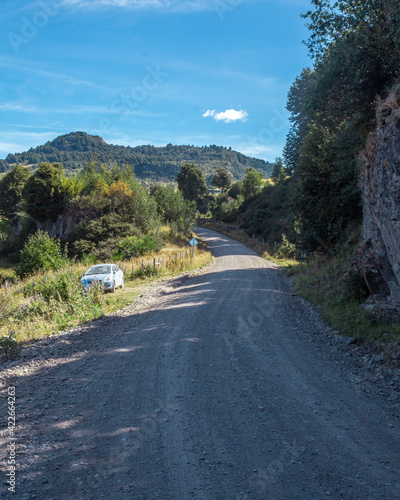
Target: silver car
pixel 109 275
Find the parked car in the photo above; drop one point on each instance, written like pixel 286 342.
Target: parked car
pixel 109 275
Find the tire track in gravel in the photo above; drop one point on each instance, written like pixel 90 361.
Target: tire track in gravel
pixel 207 388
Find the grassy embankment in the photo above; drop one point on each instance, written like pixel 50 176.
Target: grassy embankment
pixel 47 303
pixel 331 284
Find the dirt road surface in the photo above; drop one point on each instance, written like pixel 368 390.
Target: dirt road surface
pixel 207 388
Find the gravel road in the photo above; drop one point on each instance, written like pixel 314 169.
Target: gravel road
pixel 209 387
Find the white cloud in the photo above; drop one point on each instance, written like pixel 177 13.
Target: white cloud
pixel 230 115
pixel 210 112
pixel 257 150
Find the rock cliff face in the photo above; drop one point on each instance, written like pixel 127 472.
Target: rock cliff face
pixel 379 257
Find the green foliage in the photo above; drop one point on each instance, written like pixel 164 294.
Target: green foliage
pixel 11 187
pixel 299 106
pixel 101 236
pixel 273 212
pixel 173 208
pixel 355 288
pixel 43 194
pixel 9 346
pixel 141 210
pixel 5 229
pixel 61 298
pixel 70 187
pixel 236 190
pixel 7 275
pixel 11 244
pixel 65 286
pixel 146 272
pixel 278 173
pixel 40 252
pixel 191 182
pixel 356 47
pixel 328 175
pixel 96 175
pixel 286 249
pixel 221 179
pixel 132 246
pixel 373 23
pixel 252 183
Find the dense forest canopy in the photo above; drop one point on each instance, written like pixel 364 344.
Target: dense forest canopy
pixel 355 45
pixel 75 150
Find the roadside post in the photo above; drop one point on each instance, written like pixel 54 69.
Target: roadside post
pixel 193 242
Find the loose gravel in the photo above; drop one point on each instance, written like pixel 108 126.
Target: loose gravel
pixel 221 384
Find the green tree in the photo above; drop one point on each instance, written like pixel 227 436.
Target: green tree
pixel 173 208
pixel 11 187
pixel 101 236
pixel 278 173
pixel 356 47
pixel 252 183
pixel 40 252
pixel 236 190
pixel 141 209
pixel 43 194
pixel 191 182
pixel 299 106
pixel 71 188
pixel 221 179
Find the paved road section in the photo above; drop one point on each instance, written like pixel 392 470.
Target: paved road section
pixel 209 389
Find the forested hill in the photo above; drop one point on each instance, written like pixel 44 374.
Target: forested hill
pixel 76 149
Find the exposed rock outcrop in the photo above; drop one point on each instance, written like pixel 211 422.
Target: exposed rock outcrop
pixel 60 228
pixel 379 257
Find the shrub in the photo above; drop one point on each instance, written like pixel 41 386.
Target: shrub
pixel 9 346
pixel 132 246
pixel 286 249
pixel 43 194
pixel 146 272
pixel 40 252
pixel 355 288
pixel 100 236
pixel 11 186
pixel 7 275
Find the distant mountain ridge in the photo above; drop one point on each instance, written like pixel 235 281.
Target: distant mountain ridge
pixel 76 149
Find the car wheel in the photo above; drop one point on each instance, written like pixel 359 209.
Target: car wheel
pixel 122 283
pixel 112 290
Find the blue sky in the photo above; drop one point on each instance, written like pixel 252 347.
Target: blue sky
pixel 154 72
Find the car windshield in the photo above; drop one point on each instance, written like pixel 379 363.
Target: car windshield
pixel 98 270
